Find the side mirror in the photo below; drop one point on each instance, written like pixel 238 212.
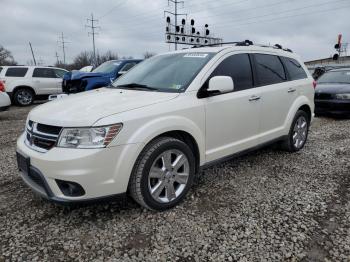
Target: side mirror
pixel 220 84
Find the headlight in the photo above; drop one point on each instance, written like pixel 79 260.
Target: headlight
pixel 342 96
pixel 93 137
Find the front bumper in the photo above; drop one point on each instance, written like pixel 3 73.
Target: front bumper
pixel 332 106
pixel 100 172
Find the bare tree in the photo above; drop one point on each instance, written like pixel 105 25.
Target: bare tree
pixel 6 57
pixel 148 54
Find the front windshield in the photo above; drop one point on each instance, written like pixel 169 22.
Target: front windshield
pixel 107 67
pixel 342 77
pixel 167 73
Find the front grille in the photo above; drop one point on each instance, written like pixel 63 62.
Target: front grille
pixel 41 137
pixel 323 96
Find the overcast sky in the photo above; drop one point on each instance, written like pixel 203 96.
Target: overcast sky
pixel 131 27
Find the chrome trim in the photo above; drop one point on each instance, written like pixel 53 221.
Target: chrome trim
pixel 32 131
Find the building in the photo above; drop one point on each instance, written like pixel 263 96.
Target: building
pixel 343 61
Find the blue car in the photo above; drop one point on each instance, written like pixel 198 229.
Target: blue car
pixel 76 81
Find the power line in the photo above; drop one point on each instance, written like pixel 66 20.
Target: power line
pixel 93 33
pixel 112 9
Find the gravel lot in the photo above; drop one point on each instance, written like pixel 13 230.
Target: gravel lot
pixel 266 206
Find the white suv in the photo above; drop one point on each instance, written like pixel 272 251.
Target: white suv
pixel 161 123
pixel 25 83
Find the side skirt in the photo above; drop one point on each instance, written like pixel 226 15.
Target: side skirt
pixel 241 153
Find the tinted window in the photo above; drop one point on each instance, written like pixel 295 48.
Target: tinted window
pixel 0 69
pixel 238 67
pixel 295 70
pixel 269 69
pixel 127 67
pixel 44 73
pixel 16 71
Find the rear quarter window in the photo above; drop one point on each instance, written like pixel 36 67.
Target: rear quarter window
pixel 16 71
pixel 294 68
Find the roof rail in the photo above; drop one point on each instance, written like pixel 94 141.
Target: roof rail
pixel 246 43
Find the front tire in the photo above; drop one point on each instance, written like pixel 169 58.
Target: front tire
pixel 23 97
pixel 163 174
pixel 298 132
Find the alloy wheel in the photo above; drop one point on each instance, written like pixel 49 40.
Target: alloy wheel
pixel 168 176
pixel 300 132
pixel 24 97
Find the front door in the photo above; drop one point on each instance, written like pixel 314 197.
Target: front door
pixel 232 119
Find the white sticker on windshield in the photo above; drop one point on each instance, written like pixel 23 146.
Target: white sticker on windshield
pixel 196 55
pixel 117 63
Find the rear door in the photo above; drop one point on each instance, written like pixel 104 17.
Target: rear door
pixel 232 119
pixel 277 94
pixel 46 81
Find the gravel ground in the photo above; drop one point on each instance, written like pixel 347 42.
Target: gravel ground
pixel 265 206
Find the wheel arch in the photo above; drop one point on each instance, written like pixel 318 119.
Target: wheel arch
pixel 24 87
pixel 301 103
pixel 187 138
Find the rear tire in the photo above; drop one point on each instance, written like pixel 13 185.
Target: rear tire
pixel 23 97
pixel 298 132
pixel 163 174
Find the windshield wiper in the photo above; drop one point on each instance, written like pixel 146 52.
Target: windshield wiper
pixel 137 86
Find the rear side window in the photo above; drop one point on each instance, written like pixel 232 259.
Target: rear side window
pixel 16 71
pixel 44 73
pixel 295 70
pixel 269 69
pixel 238 67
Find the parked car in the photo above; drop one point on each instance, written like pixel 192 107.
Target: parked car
pixel 5 101
pixel 171 116
pixel 24 84
pixel 104 75
pixel 333 93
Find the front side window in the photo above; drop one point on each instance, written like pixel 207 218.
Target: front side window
pixel 295 70
pixel 167 73
pixel 127 67
pixel 44 73
pixel 16 71
pixel 339 77
pixel 269 69
pixel 238 68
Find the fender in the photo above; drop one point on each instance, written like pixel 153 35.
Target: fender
pixel 299 102
pixel 158 126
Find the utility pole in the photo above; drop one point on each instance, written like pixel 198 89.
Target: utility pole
pixel 93 28
pixel 63 43
pixel 57 61
pixel 31 48
pixel 175 14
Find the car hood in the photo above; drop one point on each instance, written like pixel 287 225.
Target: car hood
pixel 333 88
pixel 75 75
pixel 84 109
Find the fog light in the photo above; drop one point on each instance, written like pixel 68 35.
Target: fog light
pixel 71 189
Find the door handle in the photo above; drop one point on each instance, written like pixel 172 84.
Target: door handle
pixel 254 98
pixel 291 90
